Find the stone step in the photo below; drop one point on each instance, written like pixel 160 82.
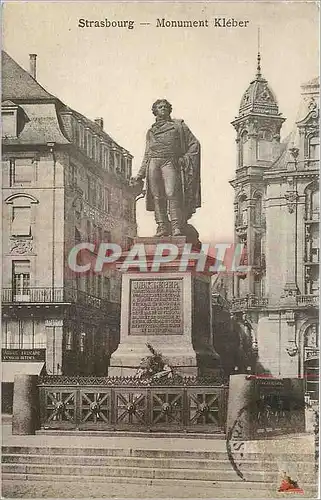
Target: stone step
pixel 170 487
pixel 154 453
pixel 158 434
pixel 146 472
pixel 173 463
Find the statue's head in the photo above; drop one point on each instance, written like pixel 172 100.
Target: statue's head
pixel 162 108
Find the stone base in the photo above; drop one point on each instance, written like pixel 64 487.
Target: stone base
pixel 126 360
pixel 169 307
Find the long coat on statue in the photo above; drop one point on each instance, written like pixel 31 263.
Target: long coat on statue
pixel 189 170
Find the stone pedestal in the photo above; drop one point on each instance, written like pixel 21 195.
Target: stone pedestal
pixel 169 309
pixel 25 415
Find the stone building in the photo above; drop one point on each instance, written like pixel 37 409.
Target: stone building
pixel 64 180
pixel 276 188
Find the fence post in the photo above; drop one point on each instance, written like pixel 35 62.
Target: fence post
pixel 26 406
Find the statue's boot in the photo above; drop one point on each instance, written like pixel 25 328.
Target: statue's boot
pixel 161 217
pixel 176 216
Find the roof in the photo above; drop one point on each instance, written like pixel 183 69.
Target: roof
pixel 18 84
pixel 20 88
pixel 259 97
pixel 315 82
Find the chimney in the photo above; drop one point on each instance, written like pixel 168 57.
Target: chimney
pixel 100 122
pixel 33 65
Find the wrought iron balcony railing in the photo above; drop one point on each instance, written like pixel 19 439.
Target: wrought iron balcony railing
pixel 241 303
pixel 59 295
pixel 308 300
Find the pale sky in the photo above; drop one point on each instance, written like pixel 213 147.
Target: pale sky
pixel 118 73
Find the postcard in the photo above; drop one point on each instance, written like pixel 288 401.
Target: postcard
pixel 160 249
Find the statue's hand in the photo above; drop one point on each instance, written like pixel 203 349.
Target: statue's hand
pixel 137 184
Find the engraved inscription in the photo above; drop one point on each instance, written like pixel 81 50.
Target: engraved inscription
pixel 156 307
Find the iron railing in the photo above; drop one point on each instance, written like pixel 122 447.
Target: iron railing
pixel 242 303
pixel 60 295
pixel 189 404
pixel 308 300
pixel 278 408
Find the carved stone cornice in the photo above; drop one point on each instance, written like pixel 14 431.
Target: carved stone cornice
pixel 21 247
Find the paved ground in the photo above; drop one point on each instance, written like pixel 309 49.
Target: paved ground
pixel 42 489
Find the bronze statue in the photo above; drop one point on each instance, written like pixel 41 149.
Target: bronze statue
pixel 171 165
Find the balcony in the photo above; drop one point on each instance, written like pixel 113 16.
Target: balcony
pixel 308 300
pixel 56 296
pixel 243 303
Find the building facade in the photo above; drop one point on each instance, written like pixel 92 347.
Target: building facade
pixel 277 219
pixel 64 181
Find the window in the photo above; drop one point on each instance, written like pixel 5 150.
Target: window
pixel 85 139
pixel 242 215
pixel 92 192
pixel 106 200
pixel 122 165
pixel 315 204
pixel 100 196
pixel 106 288
pixel 265 135
pixel 244 148
pixel 94 148
pixel 112 160
pixel 129 168
pixel 311 357
pixel 89 235
pixel 258 209
pixel 105 153
pixel 21 221
pixel 89 144
pixel 81 136
pixel 77 236
pixel 21 171
pixel 257 249
pixel 21 280
pixel 99 279
pixel 312 202
pixel 314 148
pixel 75 131
pixel 9 123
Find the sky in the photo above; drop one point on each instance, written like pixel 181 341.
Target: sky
pixel 117 73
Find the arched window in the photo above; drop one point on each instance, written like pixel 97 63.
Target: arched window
pixel 315 204
pixel 243 148
pixel 21 214
pixel 265 135
pixel 312 202
pixel 314 148
pixel 311 361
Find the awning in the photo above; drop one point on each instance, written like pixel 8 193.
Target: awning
pixel 10 369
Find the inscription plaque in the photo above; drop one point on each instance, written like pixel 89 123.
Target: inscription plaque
pixel 156 307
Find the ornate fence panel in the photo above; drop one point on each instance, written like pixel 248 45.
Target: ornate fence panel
pixel 279 407
pixel 189 404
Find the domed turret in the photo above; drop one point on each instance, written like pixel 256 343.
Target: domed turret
pixel 259 98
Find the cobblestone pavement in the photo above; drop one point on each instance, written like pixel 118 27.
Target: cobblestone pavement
pixel 81 489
